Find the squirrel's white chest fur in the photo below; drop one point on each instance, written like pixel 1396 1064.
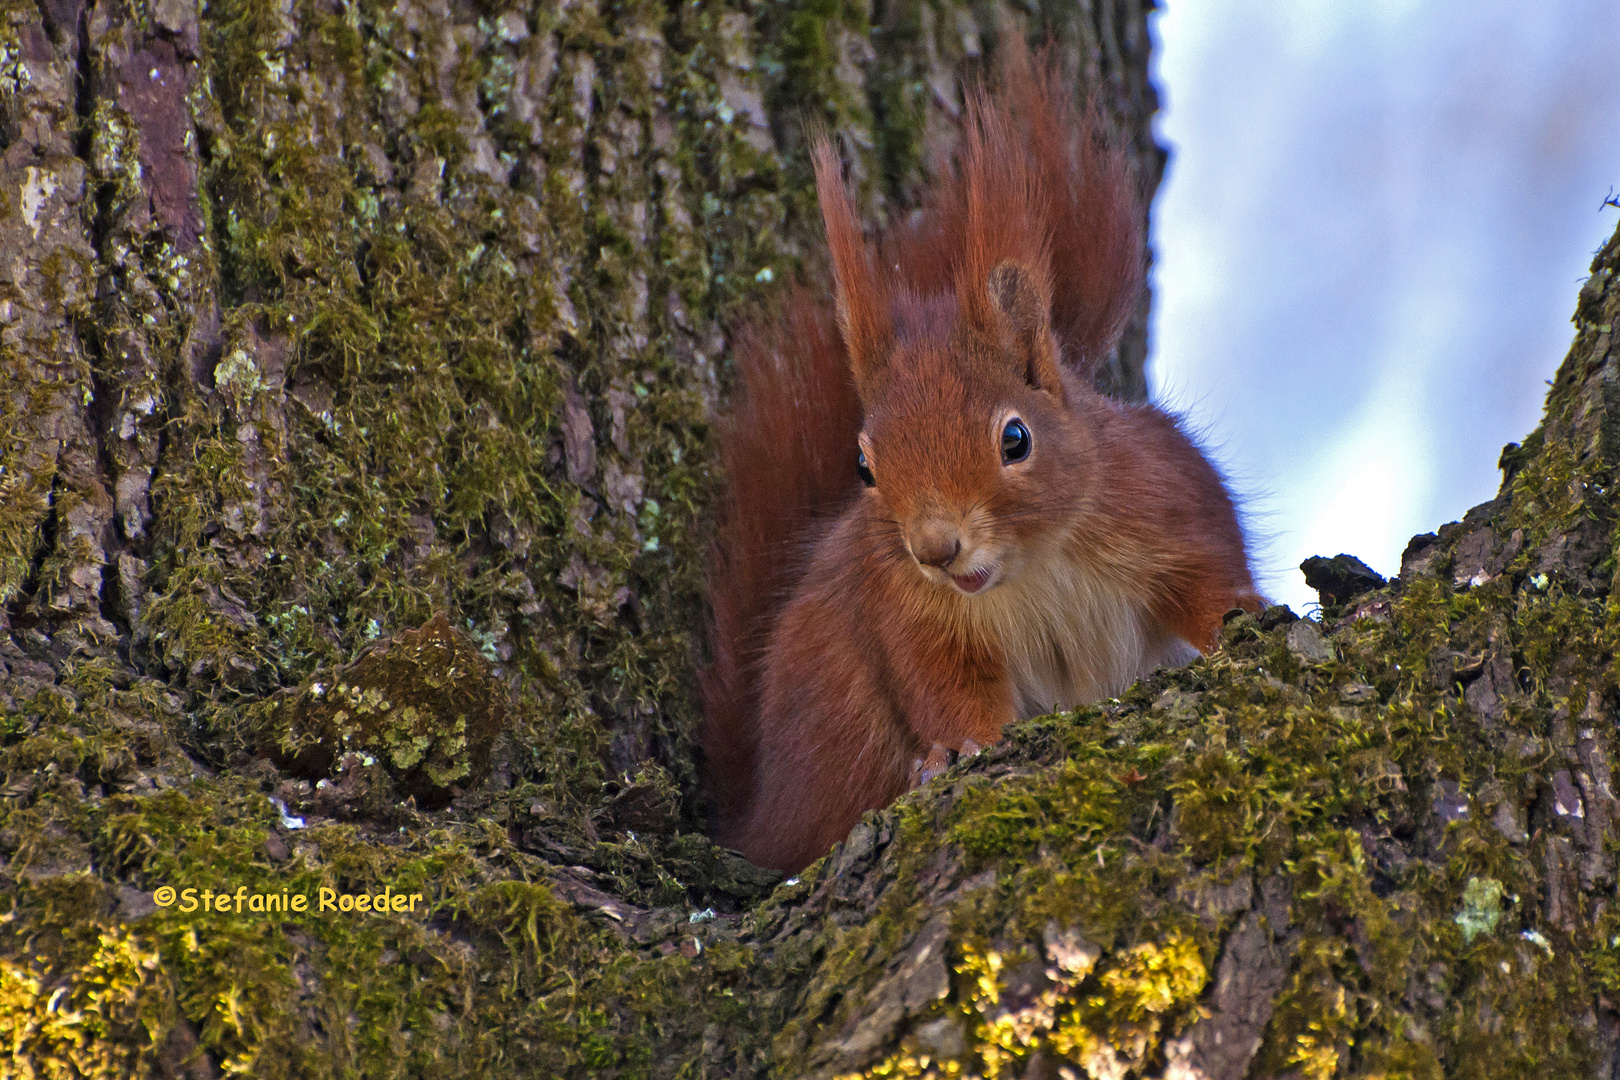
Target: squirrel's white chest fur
pixel 1072 635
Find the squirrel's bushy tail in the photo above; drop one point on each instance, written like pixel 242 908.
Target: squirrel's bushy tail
pixel 788 449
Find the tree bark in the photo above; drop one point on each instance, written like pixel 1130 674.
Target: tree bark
pixel 358 370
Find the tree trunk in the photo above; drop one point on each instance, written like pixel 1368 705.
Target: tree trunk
pixel 321 318
pixel 358 368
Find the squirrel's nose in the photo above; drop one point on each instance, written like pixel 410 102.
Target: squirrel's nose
pixel 935 543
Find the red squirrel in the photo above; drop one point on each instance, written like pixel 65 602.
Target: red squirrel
pixel 933 523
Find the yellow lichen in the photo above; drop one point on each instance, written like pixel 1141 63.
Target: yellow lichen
pixel 100 1021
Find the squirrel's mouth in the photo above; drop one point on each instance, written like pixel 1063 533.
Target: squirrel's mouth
pixel 972 583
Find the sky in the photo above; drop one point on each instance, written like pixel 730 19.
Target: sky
pixel 1375 221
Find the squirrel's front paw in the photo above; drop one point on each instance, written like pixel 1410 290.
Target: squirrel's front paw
pixel 925 769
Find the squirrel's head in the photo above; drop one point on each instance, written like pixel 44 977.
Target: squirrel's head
pixel 968 442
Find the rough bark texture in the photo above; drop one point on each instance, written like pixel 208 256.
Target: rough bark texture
pixel 356 366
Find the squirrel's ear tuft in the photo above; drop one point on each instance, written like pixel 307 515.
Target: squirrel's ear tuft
pixel 863 305
pixel 1024 300
pixel 1020 298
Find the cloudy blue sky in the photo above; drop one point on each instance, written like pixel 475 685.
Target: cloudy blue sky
pixel 1375 222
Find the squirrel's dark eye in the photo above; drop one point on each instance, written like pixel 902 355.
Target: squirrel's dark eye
pixel 864 470
pixel 1015 442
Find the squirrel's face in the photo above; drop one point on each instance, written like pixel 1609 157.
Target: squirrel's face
pixel 975 466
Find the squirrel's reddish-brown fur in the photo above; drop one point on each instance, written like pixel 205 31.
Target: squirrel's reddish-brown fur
pixel 1025 543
